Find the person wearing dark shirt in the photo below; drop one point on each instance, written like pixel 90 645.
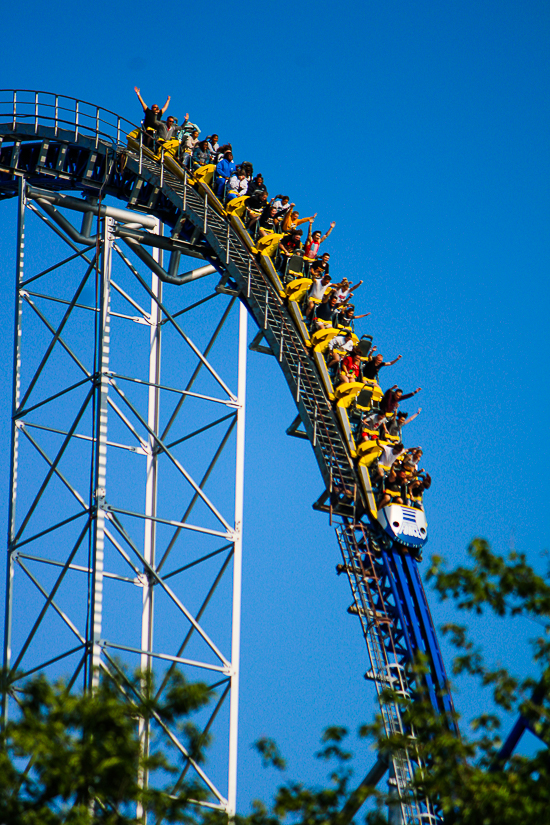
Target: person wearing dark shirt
pixel 323 314
pixel 290 243
pixel 152 117
pixel 268 221
pixel 255 204
pixel 346 316
pixel 257 185
pixel 373 367
pixel 400 421
pixel 393 396
pixel 167 130
pixel 316 270
pixel 323 262
pixel 417 488
pixel 393 492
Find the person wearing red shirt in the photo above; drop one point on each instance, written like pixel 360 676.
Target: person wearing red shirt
pixel 314 240
pixel 393 396
pixel 351 368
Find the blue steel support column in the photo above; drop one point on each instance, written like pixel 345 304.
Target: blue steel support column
pixel 103 342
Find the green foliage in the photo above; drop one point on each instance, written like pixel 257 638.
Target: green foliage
pixel 76 758
pixel 462 774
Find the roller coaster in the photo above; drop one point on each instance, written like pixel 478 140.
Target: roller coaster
pixel 51 145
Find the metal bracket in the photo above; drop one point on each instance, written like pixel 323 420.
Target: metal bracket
pixel 293 429
pixel 255 346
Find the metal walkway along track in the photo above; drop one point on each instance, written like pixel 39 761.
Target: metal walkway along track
pixel 53 155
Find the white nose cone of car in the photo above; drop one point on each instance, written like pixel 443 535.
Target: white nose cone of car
pixel 406 524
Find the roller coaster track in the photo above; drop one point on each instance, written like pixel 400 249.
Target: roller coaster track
pixel 84 150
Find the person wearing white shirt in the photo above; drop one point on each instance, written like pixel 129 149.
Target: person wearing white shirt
pixel 341 342
pixel 213 145
pixel 388 457
pixel 238 185
pixel 345 290
pixel 316 292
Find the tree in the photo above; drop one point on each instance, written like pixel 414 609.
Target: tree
pixel 76 758
pixel 463 774
pixel 86 755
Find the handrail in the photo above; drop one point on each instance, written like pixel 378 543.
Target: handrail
pixel 42 108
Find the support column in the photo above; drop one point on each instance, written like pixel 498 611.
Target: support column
pixel 151 489
pixel 103 343
pixel 237 567
pixel 14 450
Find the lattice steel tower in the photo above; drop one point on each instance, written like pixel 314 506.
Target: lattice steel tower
pixel 127 457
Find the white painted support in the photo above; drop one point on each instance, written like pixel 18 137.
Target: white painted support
pixel 237 567
pixel 151 490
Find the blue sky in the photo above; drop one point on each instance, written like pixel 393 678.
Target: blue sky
pixel 422 130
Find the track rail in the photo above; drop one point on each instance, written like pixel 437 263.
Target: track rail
pixel 48 140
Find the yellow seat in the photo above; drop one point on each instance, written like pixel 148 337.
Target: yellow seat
pixel 268 244
pixel 236 206
pixel 372 395
pixel 299 321
pixel 321 338
pixel 366 484
pixel 346 429
pixel 342 330
pixel 372 434
pixel 205 173
pixel 298 273
pixel 133 143
pixel 345 393
pixel 295 290
pixel 323 372
pixel 170 148
pixel 367 452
